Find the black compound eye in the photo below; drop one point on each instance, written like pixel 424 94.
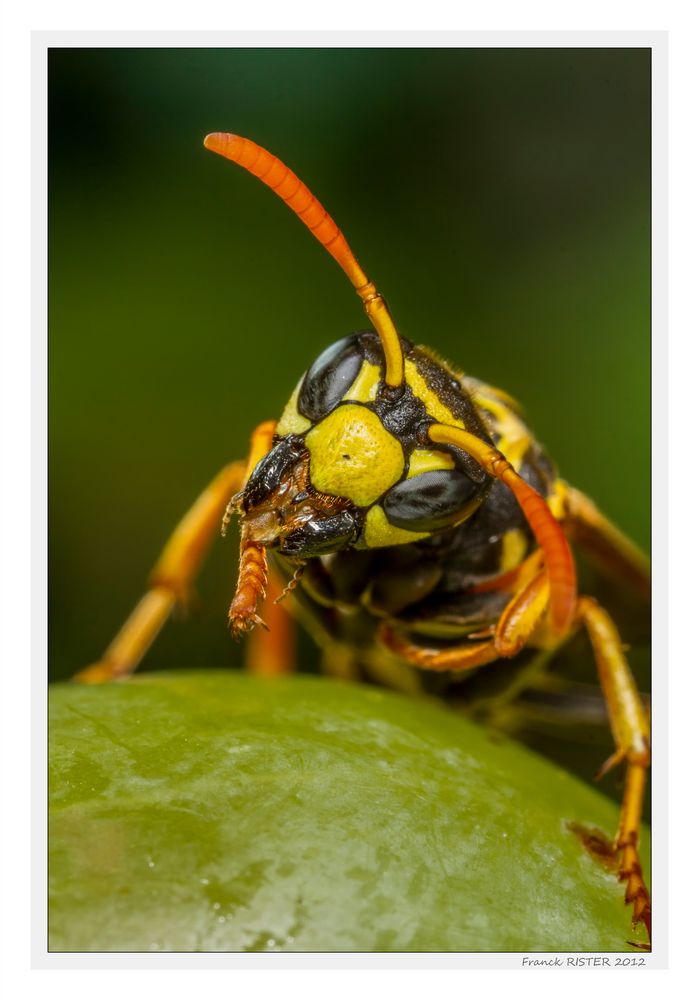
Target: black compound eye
pixel 431 501
pixel 329 378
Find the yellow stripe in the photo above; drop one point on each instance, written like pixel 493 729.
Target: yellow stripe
pixel 378 533
pixel 426 460
pixel 557 500
pixel 363 389
pixel 515 439
pixel 434 406
pixel 514 549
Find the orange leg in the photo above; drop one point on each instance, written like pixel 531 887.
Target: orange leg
pixel 272 653
pixel 555 550
pixel 627 714
pixel 522 615
pixel 174 573
pixel 513 630
pixel 629 725
pixel 467 657
pixel 603 542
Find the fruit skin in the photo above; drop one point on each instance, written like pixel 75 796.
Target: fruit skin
pixel 213 811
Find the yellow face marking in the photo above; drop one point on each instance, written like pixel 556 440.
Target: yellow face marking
pixel 378 533
pixel 434 406
pixel 363 389
pixel 426 460
pixel 557 500
pixel 515 439
pixel 291 421
pixel 514 549
pixel 353 455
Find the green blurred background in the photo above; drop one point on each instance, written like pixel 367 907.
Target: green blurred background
pixel 500 199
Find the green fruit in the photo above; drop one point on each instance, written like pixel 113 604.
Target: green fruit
pixel 217 812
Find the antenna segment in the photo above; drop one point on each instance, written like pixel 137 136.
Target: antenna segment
pixel 284 182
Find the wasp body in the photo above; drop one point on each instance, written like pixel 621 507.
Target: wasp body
pixel 417 534
pixel 422 526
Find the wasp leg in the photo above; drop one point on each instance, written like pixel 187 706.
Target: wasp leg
pixel 272 653
pixel 513 630
pixel 521 616
pixel 172 576
pixel 170 581
pixel 602 541
pixel 629 726
pixel 474 654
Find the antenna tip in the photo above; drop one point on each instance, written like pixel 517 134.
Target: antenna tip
pixel 220 142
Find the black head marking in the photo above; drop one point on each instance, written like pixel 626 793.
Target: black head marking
pixel 400 413
pixel 320 537
pixel 272 469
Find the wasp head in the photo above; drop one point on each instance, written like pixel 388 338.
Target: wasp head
pixel 351 465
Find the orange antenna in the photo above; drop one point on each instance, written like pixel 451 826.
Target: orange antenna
pixel 284 182
pixel 558 558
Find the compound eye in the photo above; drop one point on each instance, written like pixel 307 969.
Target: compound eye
pixel 329 378
pixel 431 501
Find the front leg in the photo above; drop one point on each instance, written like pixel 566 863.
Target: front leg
pixel 174 573
pixel 512 632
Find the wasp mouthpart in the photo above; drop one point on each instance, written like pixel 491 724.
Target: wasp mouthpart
pixel 282 510
pixel 251 588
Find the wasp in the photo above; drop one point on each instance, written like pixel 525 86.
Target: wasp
pixel 418 520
